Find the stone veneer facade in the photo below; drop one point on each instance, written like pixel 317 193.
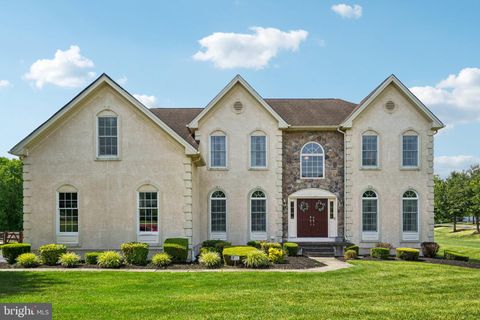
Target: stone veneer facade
pixel 333 145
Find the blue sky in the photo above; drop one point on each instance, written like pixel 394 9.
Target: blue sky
pixel 312 49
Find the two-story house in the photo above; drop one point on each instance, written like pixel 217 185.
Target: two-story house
pixel 105 170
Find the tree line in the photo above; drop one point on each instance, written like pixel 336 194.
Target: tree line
pixel 458 196
pixel 11 194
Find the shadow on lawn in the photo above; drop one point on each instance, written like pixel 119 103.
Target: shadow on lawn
pixel 14 283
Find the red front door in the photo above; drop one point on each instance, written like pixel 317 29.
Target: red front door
pixel 312 218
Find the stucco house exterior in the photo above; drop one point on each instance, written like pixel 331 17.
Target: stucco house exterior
pixel 105 170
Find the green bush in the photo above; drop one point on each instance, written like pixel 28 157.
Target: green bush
pixel 161 260
pixel 452 255
pixel 135 253
pixel 256 259
pixel 409 254
pixel 255 243
pixel 110 259
pixel 292 248
pixel 92 257
pixel 430 249
pixel 382 253
pixel 350 254
pixel 210 260
pixel 177 248
pixel 207 249
pixel 354 248
pixel 69 259
pixel 218 245
pixel 50 253
pixel 12 250
pixel 240 251
pixel 28 260
pixel 383 245
pixel 267 245
pixel 276 255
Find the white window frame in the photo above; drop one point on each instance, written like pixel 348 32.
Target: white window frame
pixel 69 238
pixel 257 134
pixel 410 235
pixel 370 133
pixel 106 114
pixel 410 133
pixel 151 237
pixel 313 154
pixel 258 235
pixel 217 235
pixel 370 235
pixel 210 160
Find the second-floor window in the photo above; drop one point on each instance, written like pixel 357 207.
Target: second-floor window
pixel 218 150
pixel 107 137
pixel 410 150
pixel 312 161
pixel 369 150
pixel 258 151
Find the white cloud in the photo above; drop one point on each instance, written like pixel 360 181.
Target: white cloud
pixel 123 80
pixel 455 99
pixel 253 51
pixel 446 164
pixel 148 101
pixel 67 69
pixel 347 11
pixel 4 83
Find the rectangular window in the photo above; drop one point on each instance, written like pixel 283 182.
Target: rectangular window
pixel 410 214
pixel 369 216
pixel 68 211
pixel 410 151
pixel 107 137
pixel 369 150
pixel 218 156
pixel 292 210
pixel 148 211
pixel 331 210
pixel 258 151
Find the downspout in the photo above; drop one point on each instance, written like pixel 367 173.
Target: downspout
pixel 344 180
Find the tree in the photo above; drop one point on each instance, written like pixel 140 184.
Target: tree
pixel 457 196
pixel 474 186
pixel 11 194
pixel 440 202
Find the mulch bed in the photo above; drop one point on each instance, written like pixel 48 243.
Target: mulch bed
pixel 299 262
pixel 456 263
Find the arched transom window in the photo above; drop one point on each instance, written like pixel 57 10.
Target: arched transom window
pixel 410 211
pixel 312 161
pixel 258 209
pixel 369 211
pixel 218 211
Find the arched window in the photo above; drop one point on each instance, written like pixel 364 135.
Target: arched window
pixel 67 210
pixel 258 211
pixel 369 211
pixel 218 212
pixel 218 150
pixel 312 161
pixel 147 209
pixel 410 211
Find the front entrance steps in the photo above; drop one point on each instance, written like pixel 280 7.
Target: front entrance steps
pixel 322 249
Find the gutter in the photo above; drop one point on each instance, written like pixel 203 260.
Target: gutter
pixel 344 180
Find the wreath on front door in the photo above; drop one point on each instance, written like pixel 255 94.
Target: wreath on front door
pixel 303 206
pixel 320 205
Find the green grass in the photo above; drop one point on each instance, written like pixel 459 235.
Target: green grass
pixel 466 242
pixel 371 289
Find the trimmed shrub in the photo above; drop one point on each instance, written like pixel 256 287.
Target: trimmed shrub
pixel 92 257
pixel 382 253
pixel 452 255
pixel 207 249
pixel 28 260
pixel 409 254
pixel 240 251
pixel 135 253
pixel 161 260
pixel 267 245
pixel 354 248
pixel 110 259
pixel 384 245
pixel 255 243
pixel 69 259
pixel 350 254
pixel 11 251
pixel 292 248
pixel 210 260
pixel 256 259
pixel 50 253
pixel 276 255
pixel 217 245
pixel 430 249
pixel 177 248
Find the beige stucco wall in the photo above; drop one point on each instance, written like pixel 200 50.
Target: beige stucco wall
pixel 238 180
pixel 390 181
pixel 107 190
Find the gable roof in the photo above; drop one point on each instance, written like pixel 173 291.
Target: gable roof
pixel 237 79
pixel 312 112
pixel 178 119
pixel 392 79
pixel 20 148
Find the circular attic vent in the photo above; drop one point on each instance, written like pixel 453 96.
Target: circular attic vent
pixel 238 107
pixel 390 106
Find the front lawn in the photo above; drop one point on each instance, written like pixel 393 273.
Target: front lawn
pixel 371 289
pixel 466 241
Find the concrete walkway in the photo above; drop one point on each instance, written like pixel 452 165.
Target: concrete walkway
pixel 331 264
